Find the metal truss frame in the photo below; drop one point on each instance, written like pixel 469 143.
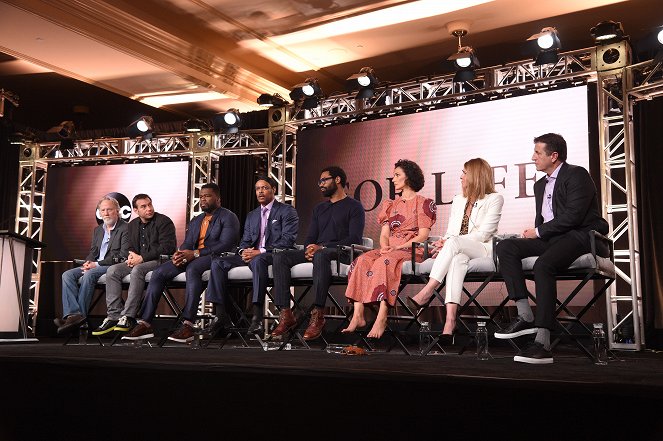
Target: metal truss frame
pixel 429 93
pixel 617 90
pixel 618 183
pixel 203 152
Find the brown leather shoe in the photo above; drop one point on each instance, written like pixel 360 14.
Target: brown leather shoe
pixel 184 334
pixel 72 322
pixel 287 322
pixel 316 324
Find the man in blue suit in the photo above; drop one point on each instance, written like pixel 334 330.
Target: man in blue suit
pixel 272 225
pixel 214 231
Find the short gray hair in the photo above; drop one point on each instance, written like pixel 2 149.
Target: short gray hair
pixel 108 198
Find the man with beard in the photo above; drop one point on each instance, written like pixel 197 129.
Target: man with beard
pixel 110 241
pixel 338 221
pixel 151 234
pixel 271 226
pixel 214 231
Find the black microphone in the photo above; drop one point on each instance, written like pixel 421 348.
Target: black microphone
pixel 476 204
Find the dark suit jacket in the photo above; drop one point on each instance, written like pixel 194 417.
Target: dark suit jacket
pixel 159 235
pixel 281 230
pixel 575 204
pixel 222 233
pixel 118 246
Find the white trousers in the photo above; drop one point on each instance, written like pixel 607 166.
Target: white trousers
pixel 452 262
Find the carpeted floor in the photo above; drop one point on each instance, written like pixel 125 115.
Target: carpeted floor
pixel 126 393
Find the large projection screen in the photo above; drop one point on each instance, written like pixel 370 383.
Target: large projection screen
pixel 73 192
pixel 440 141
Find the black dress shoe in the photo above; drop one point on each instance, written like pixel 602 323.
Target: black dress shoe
pixel 518 326
pixel 255 327
pixel 446 339
pixel 414 303
pixel 534 353
pixel 216 328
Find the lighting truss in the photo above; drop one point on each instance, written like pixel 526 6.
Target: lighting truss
pixel 490 83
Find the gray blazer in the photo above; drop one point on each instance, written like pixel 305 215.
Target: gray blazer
pixel 117 247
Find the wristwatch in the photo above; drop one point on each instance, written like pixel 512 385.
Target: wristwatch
pixel 196 254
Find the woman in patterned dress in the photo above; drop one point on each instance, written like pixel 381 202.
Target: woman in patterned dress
pixel 473 222
pixel 374 277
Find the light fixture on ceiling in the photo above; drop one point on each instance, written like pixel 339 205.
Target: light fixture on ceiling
pixel 465 60
pixel 275 100
pixel 195 126
pixel 142 127
pixel 227 122
pixel 307 93
pixel 607 32
pixel 364 82
pixel 65 129
pixel 547 45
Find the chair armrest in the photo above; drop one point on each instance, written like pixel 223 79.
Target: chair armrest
pixel 354 249
pixel 597 239
pixel 497 239
pixel 78 262
pixel 414 247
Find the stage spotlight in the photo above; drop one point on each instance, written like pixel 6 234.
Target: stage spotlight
pixel 227 122
pixel 364 82
pixel 659 36
pixel 607 32
pixel 465 62
pixel 547 46
pixel 65 129
pixel 308 93
pixel 142 127
pixel 195 126
pixel 276 100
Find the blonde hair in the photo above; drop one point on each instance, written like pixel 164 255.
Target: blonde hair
pixel 479 180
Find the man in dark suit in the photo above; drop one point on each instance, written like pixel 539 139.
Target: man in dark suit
pixel 338 221
pixel 271 226
pixel 567 209
pixel 110 241
pixel 214 231
pixel 151 235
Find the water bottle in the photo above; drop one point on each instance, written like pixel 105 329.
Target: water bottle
pixel 600 348
pixel 82 334
pixel 424 337
pixel 482 341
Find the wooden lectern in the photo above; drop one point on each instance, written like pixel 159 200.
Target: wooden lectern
pixel 15 277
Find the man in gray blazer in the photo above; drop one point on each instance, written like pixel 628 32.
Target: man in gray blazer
pixel 151 235
pixel 110 242
pixel 271 226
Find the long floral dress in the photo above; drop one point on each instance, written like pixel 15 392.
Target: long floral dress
pixel 373 277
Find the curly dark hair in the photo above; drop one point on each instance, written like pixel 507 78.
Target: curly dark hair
pixel 415 177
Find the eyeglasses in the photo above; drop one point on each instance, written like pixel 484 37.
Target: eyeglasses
pixel 323 180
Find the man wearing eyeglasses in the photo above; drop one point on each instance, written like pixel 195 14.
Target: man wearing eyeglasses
pixel 338 221
pixel 110 242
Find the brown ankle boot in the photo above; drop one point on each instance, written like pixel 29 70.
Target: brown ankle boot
pixel 286 322
pixel 316 324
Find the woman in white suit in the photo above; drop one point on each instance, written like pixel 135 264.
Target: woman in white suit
pixel 472 225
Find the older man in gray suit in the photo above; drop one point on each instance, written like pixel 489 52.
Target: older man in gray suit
pixel 110 242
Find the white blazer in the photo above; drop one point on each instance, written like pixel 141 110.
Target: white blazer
pixel 484 219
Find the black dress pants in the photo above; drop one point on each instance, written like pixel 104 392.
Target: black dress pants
pixel 322 274
pixel 555 255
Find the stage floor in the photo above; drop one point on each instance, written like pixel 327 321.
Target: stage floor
pixel 92 392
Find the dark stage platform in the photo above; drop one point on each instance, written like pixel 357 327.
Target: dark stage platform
pixel 127 393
